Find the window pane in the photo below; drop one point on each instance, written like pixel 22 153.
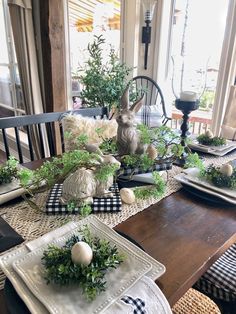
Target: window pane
pixel 86 19
pixel 5 86
pixel 3 39
pixel 197 38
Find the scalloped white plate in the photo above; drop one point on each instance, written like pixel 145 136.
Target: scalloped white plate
pixel 182 178
pixel 62 300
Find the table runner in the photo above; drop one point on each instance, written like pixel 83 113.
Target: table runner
pixel 31 223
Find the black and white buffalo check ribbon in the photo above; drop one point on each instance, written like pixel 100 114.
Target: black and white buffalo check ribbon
pixel 124 170
pixel 110 204
pixel 137 304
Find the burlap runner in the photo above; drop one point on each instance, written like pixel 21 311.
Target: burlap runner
pixel 31 223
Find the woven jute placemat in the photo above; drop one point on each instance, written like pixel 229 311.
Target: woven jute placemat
pixel 31 223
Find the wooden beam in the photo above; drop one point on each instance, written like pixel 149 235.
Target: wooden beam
pixel 53 54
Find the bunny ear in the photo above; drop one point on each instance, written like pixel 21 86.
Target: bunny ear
pixel 138 104
pixel 124 101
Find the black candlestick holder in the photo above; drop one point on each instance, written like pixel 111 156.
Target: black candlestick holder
pixel 186 107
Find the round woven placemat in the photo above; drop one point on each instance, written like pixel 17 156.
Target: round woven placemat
pixel 194 302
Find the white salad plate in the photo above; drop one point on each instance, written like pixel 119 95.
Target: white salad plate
pixel 213 150
pixel 184 179
pixel 25 271
pixel 202 182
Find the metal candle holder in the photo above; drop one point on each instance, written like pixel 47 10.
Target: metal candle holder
pixel 186 107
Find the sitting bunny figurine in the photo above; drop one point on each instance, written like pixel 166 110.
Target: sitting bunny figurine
pixel 128 137
pixel 82 185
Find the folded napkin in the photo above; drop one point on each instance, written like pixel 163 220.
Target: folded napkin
pixel 8 236
pixel 10 191
pixel 228 132
pixel 143 298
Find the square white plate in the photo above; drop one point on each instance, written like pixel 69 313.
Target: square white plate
pixel 213 150
pixel 62 300
pixel 202 182
pixel 183 178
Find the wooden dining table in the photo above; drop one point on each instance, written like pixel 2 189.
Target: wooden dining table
pixel 184 233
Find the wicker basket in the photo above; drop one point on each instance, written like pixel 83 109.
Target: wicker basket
pixel 194 302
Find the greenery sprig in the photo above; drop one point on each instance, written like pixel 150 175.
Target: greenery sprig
pixel 214 175
pixel 140 161
pixel 104 81
pixel 214 141
pixel 9 170
pixel 194 161
pixel 166 141
pixel 59 268
pixel 156 190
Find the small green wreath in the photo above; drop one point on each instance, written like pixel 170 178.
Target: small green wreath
pixel 211 141
pixel 220 178
pixel 61 270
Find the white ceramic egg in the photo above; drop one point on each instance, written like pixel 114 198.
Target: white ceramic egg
pixel 127 196
pixel 81 253
pixel 209 134
pixel 227 170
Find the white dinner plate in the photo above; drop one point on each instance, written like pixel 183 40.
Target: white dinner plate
pixel 202 182
pixel 182 178
pixel 136 265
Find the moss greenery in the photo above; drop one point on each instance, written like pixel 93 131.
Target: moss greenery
pixel 157 190
pixel 214 141
pixel 59 268
pixel 213 174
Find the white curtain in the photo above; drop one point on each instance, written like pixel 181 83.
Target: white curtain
pixel 227 70
pixel 24 38
pixel 228 128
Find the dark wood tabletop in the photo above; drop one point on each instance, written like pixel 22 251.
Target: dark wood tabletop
pixel 184 233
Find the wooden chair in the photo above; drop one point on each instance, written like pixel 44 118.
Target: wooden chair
pixel 43 124
pixel 195 302
pixel 153 99
pixel 219 281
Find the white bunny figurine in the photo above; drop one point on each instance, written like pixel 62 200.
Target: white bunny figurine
pixel 128 137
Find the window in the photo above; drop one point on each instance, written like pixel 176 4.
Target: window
pixel 197 35
pixel 10 88
pixel 86 19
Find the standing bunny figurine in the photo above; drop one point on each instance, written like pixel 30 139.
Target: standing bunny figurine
pixel 128 137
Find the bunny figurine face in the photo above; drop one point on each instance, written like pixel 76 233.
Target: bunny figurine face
pixel 125 118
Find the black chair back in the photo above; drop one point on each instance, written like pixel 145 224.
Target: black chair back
pixel 153 96
pixel 44 124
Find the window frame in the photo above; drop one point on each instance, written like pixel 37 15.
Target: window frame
pixel 14 85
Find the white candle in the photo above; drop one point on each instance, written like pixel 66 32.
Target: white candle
pixel 188 96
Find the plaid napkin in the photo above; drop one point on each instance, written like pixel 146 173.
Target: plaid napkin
pixel 110 204
pixel 125 170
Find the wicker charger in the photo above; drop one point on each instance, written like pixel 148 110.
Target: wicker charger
pixel 194 302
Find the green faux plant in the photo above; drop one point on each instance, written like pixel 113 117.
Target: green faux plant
pixel 156 190
pixel 104 82
pixel 57 169
pixel 9 170
pixel 59 268
pixel 165 140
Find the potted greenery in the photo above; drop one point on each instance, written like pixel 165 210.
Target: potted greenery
pixel 103 81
